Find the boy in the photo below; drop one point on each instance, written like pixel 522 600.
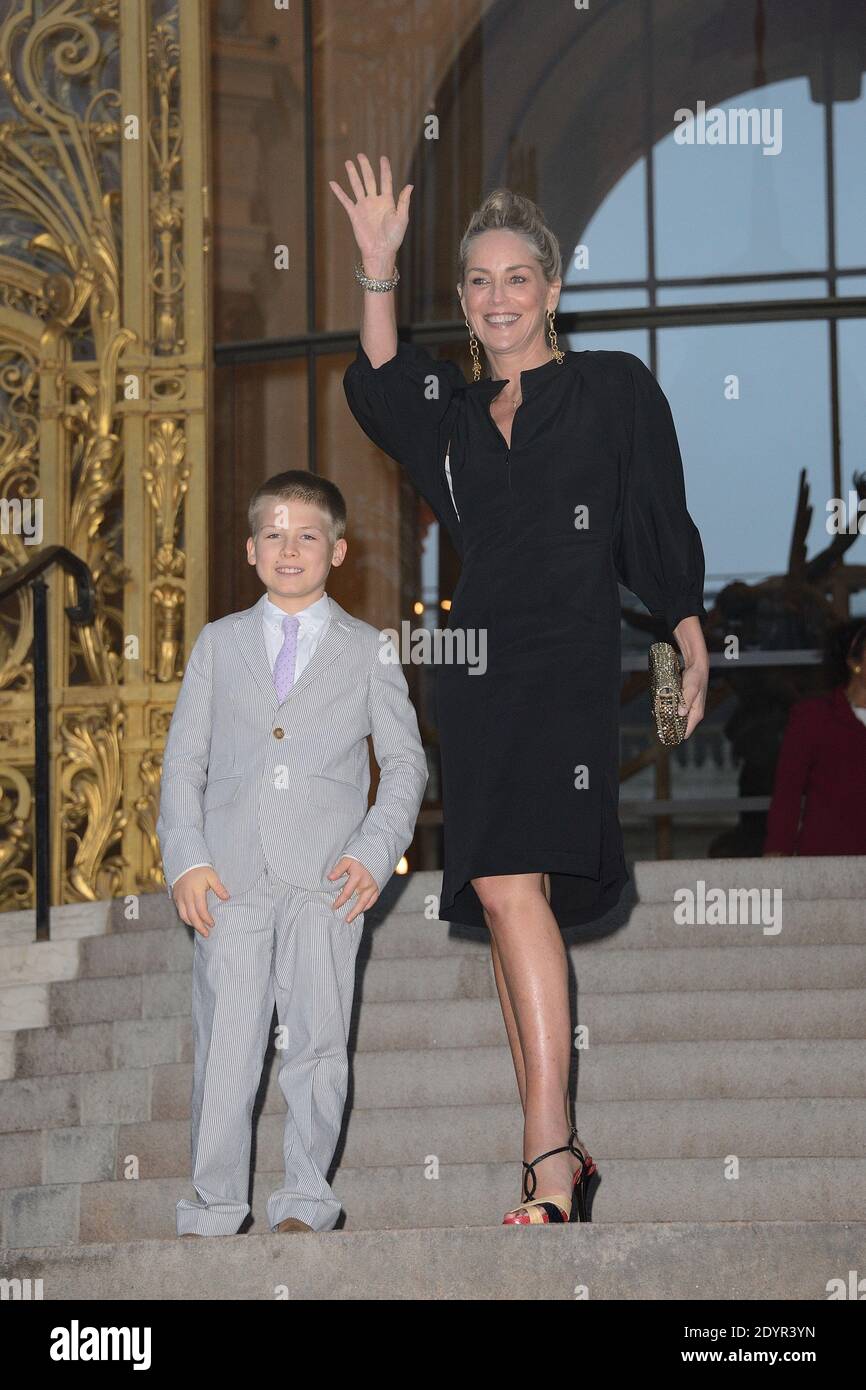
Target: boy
pixel 263 806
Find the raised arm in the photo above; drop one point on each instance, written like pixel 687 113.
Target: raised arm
pixel 400 395
pixel 379 226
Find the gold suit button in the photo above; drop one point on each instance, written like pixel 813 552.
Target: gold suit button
pixel 278 733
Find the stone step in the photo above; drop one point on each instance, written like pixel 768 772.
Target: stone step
pixel 457 975
pixel 148 947
pixel 790 1261
pixel 460 1194
pixel 820 876
pixel 622 1129
pixel 469 974
pixel 647 925
pixel 386 1024
pixel 26 1006
pixel 807 1128
pixel 69 921
pixel 695 1015
pixel 835 885
pixel 39 962
pixel 614 1071
pixel 135 980
pixel 461 972
pixel 774 1068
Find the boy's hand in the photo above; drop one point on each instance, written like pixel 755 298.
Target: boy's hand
pixel 359 881
pixel 190 896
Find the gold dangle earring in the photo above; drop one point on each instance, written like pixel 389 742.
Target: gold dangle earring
pixel 473 348
pixel 557 351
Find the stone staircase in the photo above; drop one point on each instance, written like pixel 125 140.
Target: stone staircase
pixel 722 1093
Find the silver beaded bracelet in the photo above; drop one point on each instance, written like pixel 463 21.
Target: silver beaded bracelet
pixel 379 285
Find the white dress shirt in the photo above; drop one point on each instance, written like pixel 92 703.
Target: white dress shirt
pixel 313 621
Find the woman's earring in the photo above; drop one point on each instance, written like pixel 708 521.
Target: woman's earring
pixel 557 352
pixel 473 348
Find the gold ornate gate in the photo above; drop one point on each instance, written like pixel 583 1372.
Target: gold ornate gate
pixel 104 395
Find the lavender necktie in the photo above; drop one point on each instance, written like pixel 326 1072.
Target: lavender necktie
pixel 284 666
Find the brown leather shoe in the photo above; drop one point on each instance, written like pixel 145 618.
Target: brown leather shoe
pixel 184 1235
pixel 292 1223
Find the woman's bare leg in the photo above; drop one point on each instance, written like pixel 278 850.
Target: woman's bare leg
pixel 508 1009
pixel 530 959
pixel 510 1020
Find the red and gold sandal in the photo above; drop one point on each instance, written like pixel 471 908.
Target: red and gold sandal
pixel 543 1211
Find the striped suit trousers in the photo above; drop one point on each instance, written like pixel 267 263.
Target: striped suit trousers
pixel 272 945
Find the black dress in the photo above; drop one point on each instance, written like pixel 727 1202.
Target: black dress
pixel 590 490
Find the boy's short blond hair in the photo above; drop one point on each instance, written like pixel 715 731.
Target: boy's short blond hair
pixel 299 485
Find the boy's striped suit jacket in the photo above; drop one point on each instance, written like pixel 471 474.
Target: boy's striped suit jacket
pixel 249 782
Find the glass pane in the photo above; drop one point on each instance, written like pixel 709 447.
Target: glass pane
pixel 719 294
pixel 368 582
pixel 260 428
pixel 852 415
pixel 602 299
pixel 465 96
pixel 742 457
pixel 615 242
pixel 259 203
pixel 397 566
pixel 382 74
pixel 758 212
pixel 849 158
pixel 851 284
pixel 634 340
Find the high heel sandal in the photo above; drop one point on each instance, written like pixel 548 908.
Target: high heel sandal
pixel 538 1211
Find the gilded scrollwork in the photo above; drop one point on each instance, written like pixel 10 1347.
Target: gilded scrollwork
pixel 16 844
pixel 95 368
pixel 166 480
pixel 149 877
pixel 166 138
pixel 92 796
pixel 168 604
pixel 19 484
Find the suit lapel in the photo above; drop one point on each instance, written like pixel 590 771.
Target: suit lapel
pixel 250 637
pixel 331 644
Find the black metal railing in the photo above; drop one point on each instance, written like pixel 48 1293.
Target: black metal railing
pixel 82 614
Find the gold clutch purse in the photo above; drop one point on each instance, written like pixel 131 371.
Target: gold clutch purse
pixel 665 691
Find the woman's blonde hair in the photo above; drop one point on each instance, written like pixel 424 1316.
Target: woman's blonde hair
pixel 503 210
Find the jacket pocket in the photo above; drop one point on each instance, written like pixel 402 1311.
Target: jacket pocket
pixel 221 791
pixel 335 795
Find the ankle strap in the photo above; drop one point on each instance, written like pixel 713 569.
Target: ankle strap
pixel 530 1167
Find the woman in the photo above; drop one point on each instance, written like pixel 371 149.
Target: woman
pixel 552 476
pixel 823 759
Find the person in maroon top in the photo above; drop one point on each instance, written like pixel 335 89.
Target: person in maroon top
pixel 823 759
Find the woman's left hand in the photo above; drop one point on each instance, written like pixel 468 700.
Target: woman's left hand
pixel 695 678
pixel 689 636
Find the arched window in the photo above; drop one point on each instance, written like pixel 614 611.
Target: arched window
pixel 762 206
